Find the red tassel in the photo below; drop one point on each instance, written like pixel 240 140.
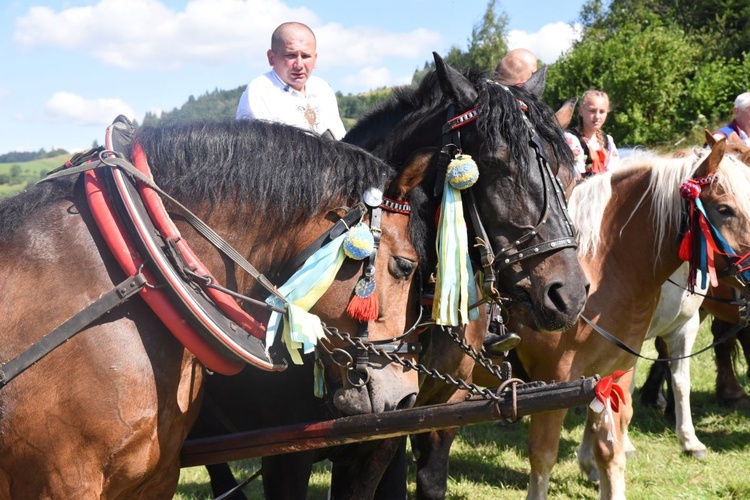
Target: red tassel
pixel 364 309
pixel 686 246
pixel 607 389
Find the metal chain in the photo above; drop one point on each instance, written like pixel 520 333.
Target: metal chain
pixel 472 388
pixel 478 356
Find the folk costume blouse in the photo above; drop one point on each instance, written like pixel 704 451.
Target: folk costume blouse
pixel 269 98
pixel 591 157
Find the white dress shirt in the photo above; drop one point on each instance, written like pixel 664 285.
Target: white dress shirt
pixel 269 98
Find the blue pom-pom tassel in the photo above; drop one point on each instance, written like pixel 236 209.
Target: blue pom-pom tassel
pixel 359 242
pixel 462 172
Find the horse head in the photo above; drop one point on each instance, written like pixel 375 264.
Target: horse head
pixel 522 211
pixel 366 370
pixel 723 191
pixel 519 220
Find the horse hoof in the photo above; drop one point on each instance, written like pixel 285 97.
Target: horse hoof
pixel 589 471
pixel 699 454
pixel 593 477
pixel 740 403
pixel 653 399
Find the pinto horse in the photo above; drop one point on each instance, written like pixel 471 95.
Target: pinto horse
pixel 629 224
pixel 106 413
pixel 675 326
pixel 521 216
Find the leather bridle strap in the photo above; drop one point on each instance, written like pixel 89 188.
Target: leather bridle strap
pixel 350 219
pixel 363 332
pixel 548 183
pixel 484 247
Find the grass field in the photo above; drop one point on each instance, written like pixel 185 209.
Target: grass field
pixel 490 462
pixel 28 172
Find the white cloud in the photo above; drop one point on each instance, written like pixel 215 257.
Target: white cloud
pixel 77 110
pixel 549 43
pixel 371 78
pixel 145 34
pixel 361 46
pixel 137 34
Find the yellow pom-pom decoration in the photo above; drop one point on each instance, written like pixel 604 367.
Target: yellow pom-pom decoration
pixel 462 172
pixel 359 242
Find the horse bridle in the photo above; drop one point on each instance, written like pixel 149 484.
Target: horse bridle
pixel 493 262
pixel 738 266
pixel 357 362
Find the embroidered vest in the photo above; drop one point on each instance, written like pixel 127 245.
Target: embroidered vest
pixel 596 163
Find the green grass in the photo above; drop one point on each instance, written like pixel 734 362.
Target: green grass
pixel 490 462
pixel 28 173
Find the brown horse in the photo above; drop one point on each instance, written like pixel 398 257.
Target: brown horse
pixel 629 222
pixel 106 413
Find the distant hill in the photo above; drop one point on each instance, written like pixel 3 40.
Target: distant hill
pixel 222 104
pixel 218 104
pixel 20 169
pixel 23 156
pixel 17 175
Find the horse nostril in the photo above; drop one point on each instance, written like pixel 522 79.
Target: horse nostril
pixel 408 402
pixel 555 296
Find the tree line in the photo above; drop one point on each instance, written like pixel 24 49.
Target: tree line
pixel 671 68
pixel 23 156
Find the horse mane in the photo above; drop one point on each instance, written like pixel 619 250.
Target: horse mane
pixel 499 123
pixel 283 172
pixel 666 174
pixel 284 175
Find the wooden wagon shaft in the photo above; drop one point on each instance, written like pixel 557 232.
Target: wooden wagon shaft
pixel 530 399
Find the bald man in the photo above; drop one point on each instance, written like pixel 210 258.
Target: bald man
pixel 516 67
pixel 289 93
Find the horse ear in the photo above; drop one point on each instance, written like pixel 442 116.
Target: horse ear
pixel 711 164
pixel 565 114
pixel 412 175
pixel 535 84
pixel 710 139
pixel 454 85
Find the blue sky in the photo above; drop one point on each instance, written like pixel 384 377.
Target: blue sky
pixel 71 66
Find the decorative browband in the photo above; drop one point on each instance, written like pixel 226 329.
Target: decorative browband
pixel 461 120
pixel 399 207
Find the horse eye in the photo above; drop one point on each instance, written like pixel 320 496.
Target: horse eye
pixel 725 210
pixel 401 267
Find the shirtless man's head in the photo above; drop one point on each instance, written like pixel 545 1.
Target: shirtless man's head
pixel 516 67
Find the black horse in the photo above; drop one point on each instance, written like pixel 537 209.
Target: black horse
pixel 518 148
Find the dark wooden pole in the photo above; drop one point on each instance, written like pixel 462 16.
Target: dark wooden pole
pixel 530 399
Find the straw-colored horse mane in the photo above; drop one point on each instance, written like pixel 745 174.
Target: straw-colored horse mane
pixel 589 200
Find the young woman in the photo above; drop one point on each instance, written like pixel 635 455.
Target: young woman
pixel 595 152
